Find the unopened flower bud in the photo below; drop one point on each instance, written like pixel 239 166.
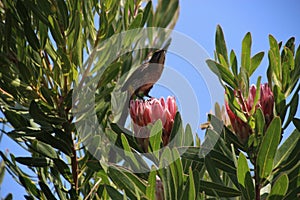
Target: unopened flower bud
pixel 265 103
pixel 144 112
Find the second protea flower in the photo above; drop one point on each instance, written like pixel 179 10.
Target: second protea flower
pixel 265 103
pixel 144 112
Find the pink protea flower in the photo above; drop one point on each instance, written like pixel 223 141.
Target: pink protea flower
pixel 265 103
pixel 144 112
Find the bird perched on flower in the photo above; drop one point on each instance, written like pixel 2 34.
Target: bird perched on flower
pixel 144 77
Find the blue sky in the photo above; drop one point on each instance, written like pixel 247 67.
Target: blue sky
pixel 198 20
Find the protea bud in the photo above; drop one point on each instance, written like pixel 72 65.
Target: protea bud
pixel 159 189
pixel 265 103
pixel 144 112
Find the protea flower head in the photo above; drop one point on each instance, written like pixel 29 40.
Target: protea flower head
pixel 144 112
pixel 265 103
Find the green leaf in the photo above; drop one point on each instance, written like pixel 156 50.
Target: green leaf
pixel 55 142
pixel 168 173
pixel 33 162
pixel 222 72
pixel 155 137
pixel 150 191
pixel 259 122
pixel 274 57
pixel 177 133
pixel 244 178
pixel 286 67
pixel 246 53
pixel 9 197
pixel 296 122
pixel 192 192
pixel 214 189
pixel 146 14
pixel 255 62
pixel 47 192
pixel 55 31
pixel 268 147
pixel 127 180
pixel 29 33
pixel 221 48
pixel 113 193
pixel 44 149
pixel 128 152
pixel 279 188
pixel 188 138
pixel 64 169
pixel 136 23
pixel 16 119
pixel 63 13
pixel 212 170
pixel 233 62
pixel 234 105
pixel 29 185
pixel 286 148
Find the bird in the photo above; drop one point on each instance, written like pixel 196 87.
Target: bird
pixel 144 77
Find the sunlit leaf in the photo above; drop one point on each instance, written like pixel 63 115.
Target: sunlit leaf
pixel 268 148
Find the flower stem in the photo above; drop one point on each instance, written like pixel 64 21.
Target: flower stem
pixel 257 181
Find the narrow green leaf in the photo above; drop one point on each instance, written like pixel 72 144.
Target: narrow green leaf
pixel 113 193
pixel 244 178
pixel 220 44
pixel 296 122
pixel 192 190
pixel 179 173
pixel 63 13
pixel 146 14
pixel 29 185
pixel 233 62
pixel 286 148
pixel 136 23
pixel 9 197
pixel 128 152
pixel 169 174
pixel 155 137
pixel 255 62
pixel 286 67
pixel 177 133
pixel 275 59
pixel 126 180
pixel 188 138
pixel 222 72
pixel 64 169
pixel 279 188
pixel 33 162
pixel 44 149
pixel 259 122
pixel 268 147
pixel 150 191
pixel 246 53
pixel 212 170
pixel 16 119
pixel 214 189
pixel 47 192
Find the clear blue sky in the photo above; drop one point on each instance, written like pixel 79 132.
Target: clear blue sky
pixel 198 19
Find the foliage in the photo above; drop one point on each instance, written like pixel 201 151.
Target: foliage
pixel 44 45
